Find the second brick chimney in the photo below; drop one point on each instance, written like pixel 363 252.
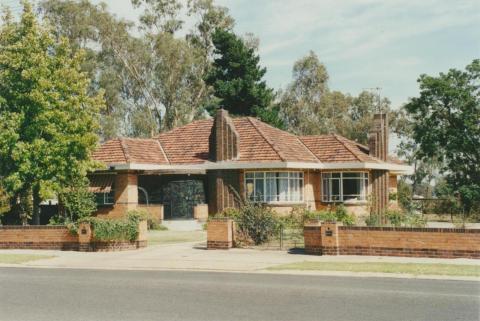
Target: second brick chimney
pixel 378 137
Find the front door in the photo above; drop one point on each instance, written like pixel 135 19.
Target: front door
pixel 180 197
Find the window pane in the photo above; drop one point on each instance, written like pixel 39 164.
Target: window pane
pixel 249 189
pixel 352 175
pixel 335 196
pixel 283 189
pixel 283 174
pixel 259 192
pixel 326 190
pixel 271 174
pixel 352 189
pixel 259 174
pixel 271 192
pixel 336 175
pixel 249 175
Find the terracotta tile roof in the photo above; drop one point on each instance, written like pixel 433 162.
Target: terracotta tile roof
pixel 287 146
pixel 335 148
pixel 187 144
pixel 252 145
pixel 130 150
pixel 144 151
pixel 258 142
pixel 110 152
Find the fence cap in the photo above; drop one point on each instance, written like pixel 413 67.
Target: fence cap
pixel 313 222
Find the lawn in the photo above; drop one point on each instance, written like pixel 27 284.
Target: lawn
pixel 169 237
pixel 408 268
pixel 21 258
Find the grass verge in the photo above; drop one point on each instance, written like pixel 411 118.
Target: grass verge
pixel 21 258
pixel 402 268
pixel 169 237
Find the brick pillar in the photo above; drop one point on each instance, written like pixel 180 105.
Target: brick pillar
pixel 126 191
pixel 142 234
pixel 85 236
pixel 313 237
pixel 329 232
pixel 220 234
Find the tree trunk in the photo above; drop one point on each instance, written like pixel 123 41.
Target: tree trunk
pixel 36 204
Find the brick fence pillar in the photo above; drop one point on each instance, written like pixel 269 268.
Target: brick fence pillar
pixel 329 232
pixel 220 234
pixel 313 237
pixel 85 237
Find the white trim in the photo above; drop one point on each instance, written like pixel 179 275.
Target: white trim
pixel 394 168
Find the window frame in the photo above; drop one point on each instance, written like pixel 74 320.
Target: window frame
pixel 290 193
pixel 107 198
pixel 327 197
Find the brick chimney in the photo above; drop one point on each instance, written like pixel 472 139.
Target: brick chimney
pixel 378 145
pixel 378 137
pixel 224 138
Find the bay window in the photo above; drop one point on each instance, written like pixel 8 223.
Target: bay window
pixel 340 187
pixel 271 187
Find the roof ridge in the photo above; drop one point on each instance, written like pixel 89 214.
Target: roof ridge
pixel 124 149
pixel 250 119
pixel 181 127
pixel 163 152
pixel 310 151
pixel 347 147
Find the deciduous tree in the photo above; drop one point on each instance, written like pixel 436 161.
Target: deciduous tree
pixel 48 120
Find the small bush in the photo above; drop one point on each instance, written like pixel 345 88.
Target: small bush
pixel 255 222
pixel 372 220
pixel 125 229
pixel 152 223
pixel 395 217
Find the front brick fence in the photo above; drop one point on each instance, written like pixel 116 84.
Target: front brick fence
pixel 330 239
pixel 60 238
pixel 220 233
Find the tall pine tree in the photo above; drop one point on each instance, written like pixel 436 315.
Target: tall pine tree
pixel 236 78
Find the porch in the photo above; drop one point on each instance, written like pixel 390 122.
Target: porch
pixel 166 196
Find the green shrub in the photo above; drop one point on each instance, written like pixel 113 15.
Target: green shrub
pixel 372 220
pixel 125 229
pixel 77 202
pixel 255 222
pixel 415 220
pixel 395 217
pixel 143 215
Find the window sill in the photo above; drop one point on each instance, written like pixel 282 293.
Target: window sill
pixel 347 202
pixel 283 204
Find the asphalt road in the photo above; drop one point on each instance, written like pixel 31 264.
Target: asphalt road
pixel 64 294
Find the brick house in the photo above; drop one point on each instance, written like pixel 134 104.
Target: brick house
pixel 203 167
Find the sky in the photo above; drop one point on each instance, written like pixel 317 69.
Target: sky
pixel 364 44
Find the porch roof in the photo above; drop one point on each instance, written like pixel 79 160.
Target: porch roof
pixel 101 183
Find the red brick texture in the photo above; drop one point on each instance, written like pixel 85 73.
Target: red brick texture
pixel 37 237
pixel 389 241
pixel 220 234
pixel 60 238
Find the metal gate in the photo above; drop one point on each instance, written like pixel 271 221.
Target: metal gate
pixel 180 197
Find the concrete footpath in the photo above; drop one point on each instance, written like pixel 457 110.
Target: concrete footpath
pixel 194 256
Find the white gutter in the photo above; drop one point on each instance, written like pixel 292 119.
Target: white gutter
pixel 394 168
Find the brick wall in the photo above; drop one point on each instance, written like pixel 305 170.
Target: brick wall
pixel 220 234
pixel 389 241
pixel 60 238
pixel 37 237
